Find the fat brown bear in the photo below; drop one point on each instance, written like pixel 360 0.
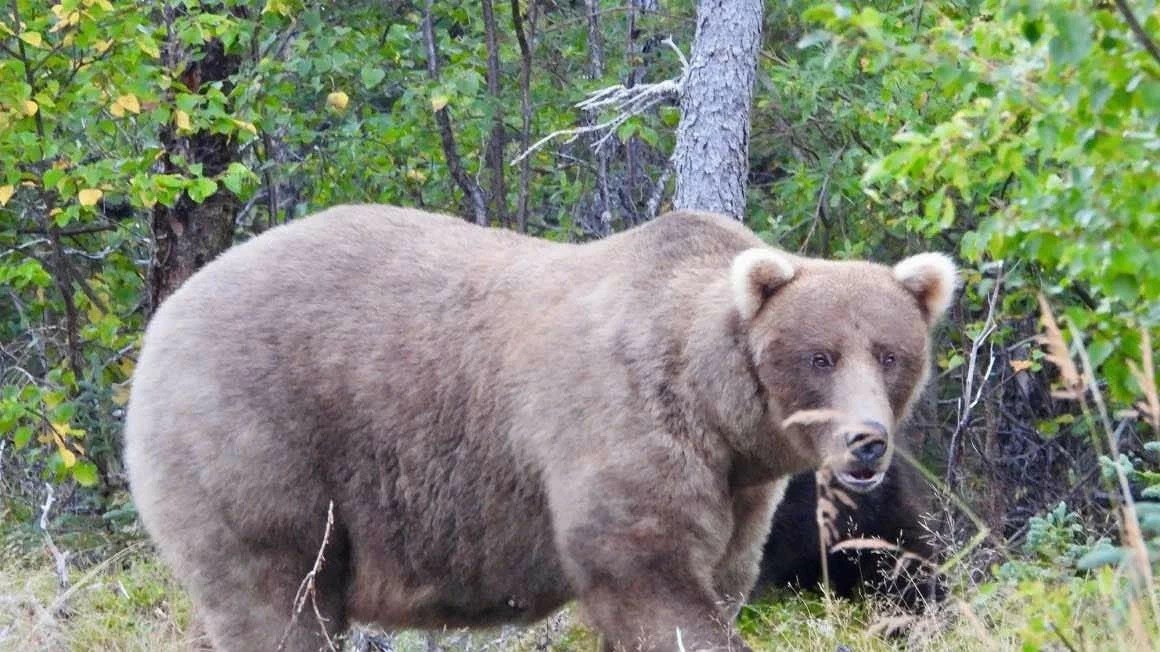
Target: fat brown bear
pixel 495 433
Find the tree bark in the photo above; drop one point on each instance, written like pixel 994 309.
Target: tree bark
pixel 711 158
pixel 447 134
pixel 188 234
pixel 602 226
pixel 523 37
pixel 497 140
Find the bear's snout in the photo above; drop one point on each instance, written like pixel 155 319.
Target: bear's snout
pixel 867 443
pixel 870 453
pixel 866 459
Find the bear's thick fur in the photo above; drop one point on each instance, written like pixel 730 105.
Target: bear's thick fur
pixel 892 512
pixel 496 433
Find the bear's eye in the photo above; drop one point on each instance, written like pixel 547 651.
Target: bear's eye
pixel 821 360
pixel 887 360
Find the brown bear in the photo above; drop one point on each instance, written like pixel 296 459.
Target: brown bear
pixel 494 438
pixel 891 512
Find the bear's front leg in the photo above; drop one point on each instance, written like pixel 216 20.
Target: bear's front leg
pixel 737 571
pixel 641 555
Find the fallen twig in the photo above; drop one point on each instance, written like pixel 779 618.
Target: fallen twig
pixel 307 590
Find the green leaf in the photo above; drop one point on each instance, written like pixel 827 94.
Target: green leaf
pixel 201 188
pixel 1104 556
pixel 1073 39
pixel 1032 30
pixel 85 473
pixel 371 75
pixel 21 437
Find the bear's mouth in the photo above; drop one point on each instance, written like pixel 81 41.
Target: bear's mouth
pixel 860 480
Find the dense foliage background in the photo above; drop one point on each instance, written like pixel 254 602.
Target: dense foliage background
pixel 138 139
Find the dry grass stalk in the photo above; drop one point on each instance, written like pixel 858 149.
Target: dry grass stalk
pixel 1057 354
pixel 888 626
pixel 1146 379
pixel 1077 383
pixel 307 590
pixel 810 417
pixel 826 511
pixel 982 531
pixel 874 543
pixel 976 625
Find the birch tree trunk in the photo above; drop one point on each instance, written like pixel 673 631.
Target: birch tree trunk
pixel 711 158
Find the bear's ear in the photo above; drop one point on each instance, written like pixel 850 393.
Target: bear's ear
pixel 755 275
pixel 932 279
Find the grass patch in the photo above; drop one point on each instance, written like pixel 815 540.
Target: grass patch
pixel 130 602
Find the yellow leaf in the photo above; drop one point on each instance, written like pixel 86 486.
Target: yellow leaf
pixel 438 102
pixel 337 100
pixel 1020 365
pixel 416 175
pixel 279 7
pixel 248 126
pixel 29 107
pixel 90 196
pixel 127 103
pixel 126 366
pixel 103 4
pixel 6 193
pixel 116 110
pixel 102 46
pixel 64 17
pixel 181 119
pixel 149 46
pixel 32 38
pixel 59 432
pixel 147 200
pixel 120 393
pixel 67 456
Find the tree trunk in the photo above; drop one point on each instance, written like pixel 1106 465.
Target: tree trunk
pixel 497 140
pixel 711 158
pixel 190 234
pixel 468 185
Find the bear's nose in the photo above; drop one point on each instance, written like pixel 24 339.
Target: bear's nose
pixel 868 443
pixel 870 453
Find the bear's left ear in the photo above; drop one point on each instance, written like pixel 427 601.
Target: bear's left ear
pixel 932 279
pixel 755 275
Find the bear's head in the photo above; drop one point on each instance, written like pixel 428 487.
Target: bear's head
pixel 835 354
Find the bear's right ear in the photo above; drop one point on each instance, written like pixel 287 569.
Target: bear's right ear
pixel 755 275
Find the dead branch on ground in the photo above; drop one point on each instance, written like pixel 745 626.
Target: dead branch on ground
pixel 306 589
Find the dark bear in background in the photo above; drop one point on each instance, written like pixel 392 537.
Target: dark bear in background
pixel 892 511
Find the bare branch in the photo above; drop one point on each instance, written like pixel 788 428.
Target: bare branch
pixel 306 588
pixel 447 134
pixel 970 397
pixel 627 102
pixel 658 192
pixel 1138 31
pixel 60 559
